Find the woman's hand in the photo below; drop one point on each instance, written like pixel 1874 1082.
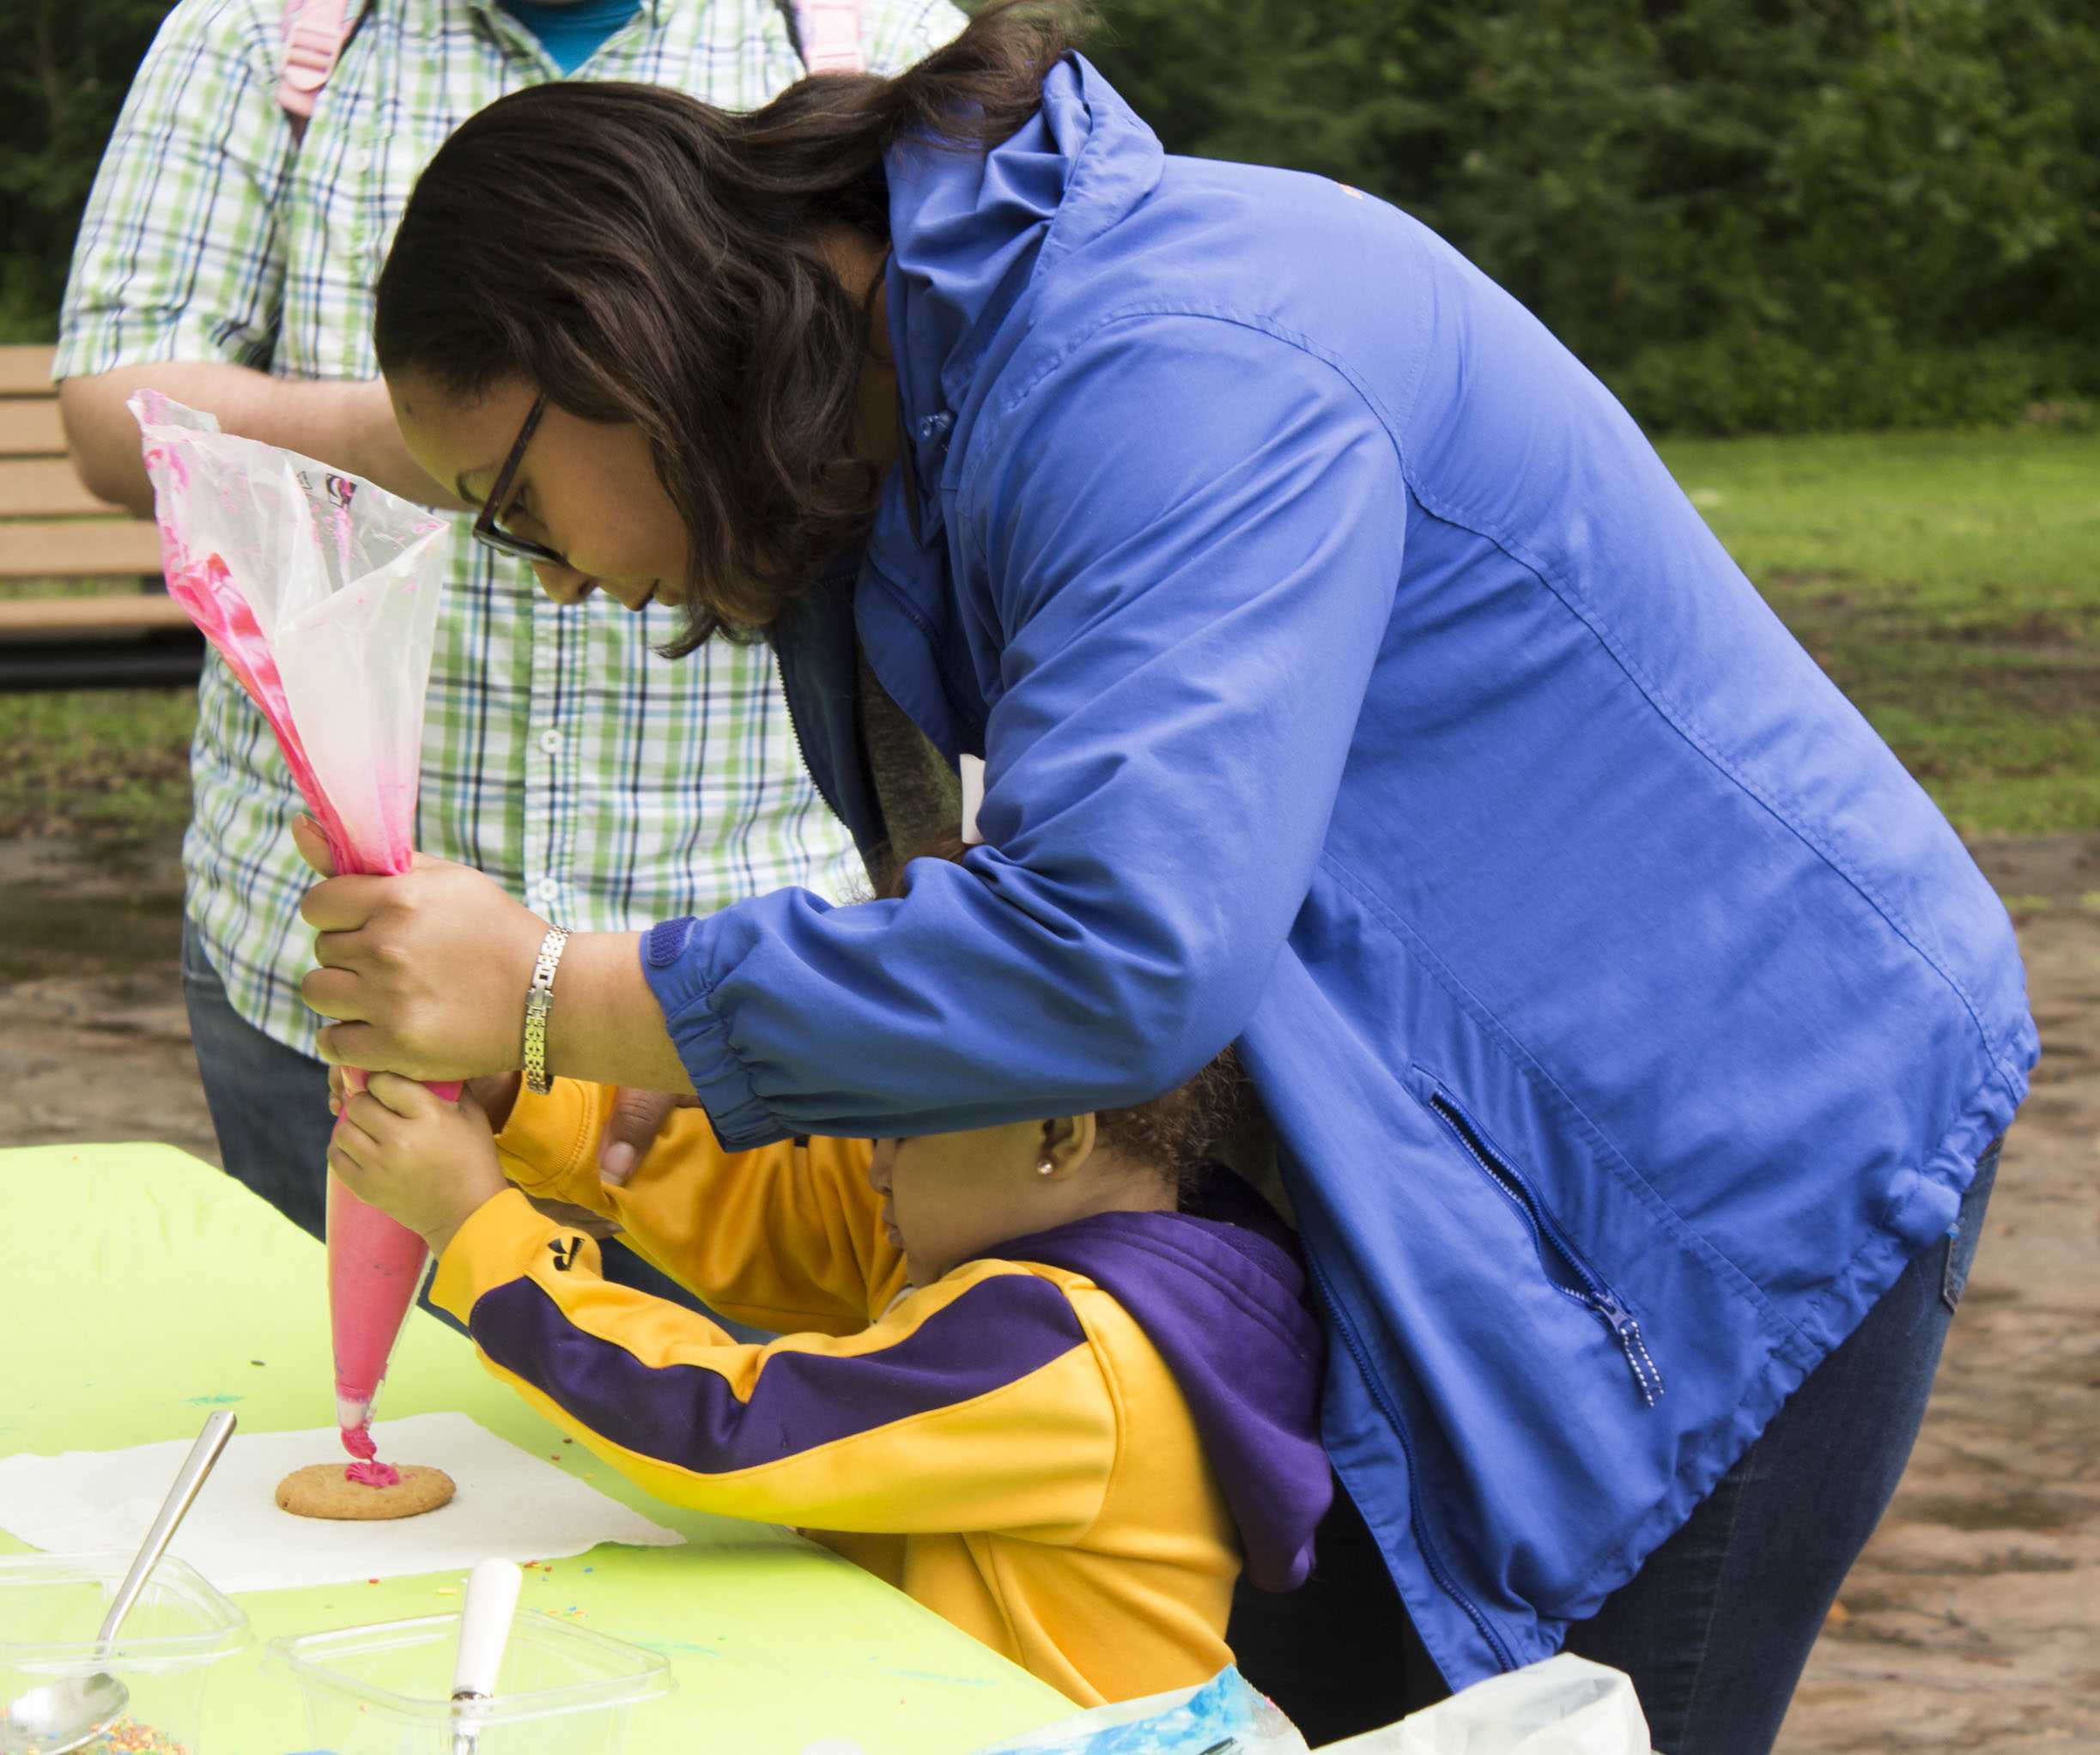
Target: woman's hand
pixel 427 973
pixel 429 1163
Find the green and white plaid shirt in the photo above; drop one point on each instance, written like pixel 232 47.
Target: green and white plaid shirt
pixel 605 787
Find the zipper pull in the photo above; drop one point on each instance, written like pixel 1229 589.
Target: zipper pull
pixel 1625 1327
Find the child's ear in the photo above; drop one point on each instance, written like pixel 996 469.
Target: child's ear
pixel 1067 1143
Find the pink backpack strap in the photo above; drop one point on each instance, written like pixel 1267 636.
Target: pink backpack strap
pixel 829 36
pixel 314 33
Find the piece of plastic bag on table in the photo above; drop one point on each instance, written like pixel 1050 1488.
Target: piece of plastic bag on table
pixel 320 592
pixel 1224 1715
pixel 1564 1706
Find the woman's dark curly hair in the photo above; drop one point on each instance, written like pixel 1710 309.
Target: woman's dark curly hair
pixel 643 257
pixel 1171 1134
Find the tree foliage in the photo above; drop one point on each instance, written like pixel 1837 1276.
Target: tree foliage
pixel 1741 213
pixel 61 85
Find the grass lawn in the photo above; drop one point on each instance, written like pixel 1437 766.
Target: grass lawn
pixel 100 762
pixel 109 761
pixel 1949 581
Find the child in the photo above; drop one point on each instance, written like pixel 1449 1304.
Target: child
pixel 1055 1379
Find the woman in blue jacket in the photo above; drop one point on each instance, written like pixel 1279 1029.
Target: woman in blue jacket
pixel 1351 681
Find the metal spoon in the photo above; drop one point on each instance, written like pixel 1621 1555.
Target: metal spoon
pixel 64 1715
pixel 484 1631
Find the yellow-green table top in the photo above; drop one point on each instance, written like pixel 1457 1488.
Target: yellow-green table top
pixel 141 1285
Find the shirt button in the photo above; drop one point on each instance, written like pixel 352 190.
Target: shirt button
pixel 550 742
pixel 545 891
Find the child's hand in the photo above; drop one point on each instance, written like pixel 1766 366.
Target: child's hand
pixel 497 1093
pixel 429 1163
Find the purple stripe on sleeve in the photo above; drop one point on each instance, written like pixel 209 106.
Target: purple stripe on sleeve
pixel 687 1417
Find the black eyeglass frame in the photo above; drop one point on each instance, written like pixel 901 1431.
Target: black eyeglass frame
pixel 487 532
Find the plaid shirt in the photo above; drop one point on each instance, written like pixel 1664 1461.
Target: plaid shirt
pixel 604 787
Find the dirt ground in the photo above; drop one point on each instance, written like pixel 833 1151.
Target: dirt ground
pixel 1971 1623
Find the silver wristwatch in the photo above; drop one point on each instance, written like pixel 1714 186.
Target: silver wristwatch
pixel 539 1001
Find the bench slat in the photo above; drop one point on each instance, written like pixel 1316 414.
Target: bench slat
pixel 30 430
pixel 63 639
pixel 46 486
pixel 53 616
pixel 93 550
pixel 25 371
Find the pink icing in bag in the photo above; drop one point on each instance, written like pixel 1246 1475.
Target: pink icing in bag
pixel 320 592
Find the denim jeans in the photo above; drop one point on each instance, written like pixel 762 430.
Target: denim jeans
pixel 1715 1627
pixel 269 1108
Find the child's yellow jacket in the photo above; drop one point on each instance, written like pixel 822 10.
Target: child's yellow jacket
pixel 1070 1472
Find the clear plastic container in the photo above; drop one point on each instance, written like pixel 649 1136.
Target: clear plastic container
pixel 51 1607
pixel 387 1690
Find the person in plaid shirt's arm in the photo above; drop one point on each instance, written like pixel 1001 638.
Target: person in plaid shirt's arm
pixel 231 264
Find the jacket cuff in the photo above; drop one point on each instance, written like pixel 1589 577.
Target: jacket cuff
pixel 672 959
pixel 550 1142
pixel 503 1240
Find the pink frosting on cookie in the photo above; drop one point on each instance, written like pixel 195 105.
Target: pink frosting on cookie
pixel 366 1471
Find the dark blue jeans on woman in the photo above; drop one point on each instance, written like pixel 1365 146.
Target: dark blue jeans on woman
pixel 269 1108
pixel 1716 1628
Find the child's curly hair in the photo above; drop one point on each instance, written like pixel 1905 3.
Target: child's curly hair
pixel 1169 1132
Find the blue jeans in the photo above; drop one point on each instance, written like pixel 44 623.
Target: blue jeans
pixel 269 1108
pixel 1715 1627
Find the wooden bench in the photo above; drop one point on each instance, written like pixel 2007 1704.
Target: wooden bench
pixel 53 528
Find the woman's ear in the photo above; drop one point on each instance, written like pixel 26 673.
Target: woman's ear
pixel 1067 1143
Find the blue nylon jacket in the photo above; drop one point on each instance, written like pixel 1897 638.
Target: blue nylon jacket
pixel 1353 682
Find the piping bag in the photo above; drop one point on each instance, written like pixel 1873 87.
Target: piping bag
pixel 320 592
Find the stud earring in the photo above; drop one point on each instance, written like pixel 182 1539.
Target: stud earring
pixel 1044 1167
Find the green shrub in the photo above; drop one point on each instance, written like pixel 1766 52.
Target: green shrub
pixel 1751 383
pixel 68 66
pixel 1742 213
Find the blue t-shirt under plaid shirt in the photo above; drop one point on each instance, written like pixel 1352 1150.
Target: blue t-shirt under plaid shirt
pixel 572 33
pixel 606 787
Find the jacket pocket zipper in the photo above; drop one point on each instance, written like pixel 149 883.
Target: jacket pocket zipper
pixel 1566 1271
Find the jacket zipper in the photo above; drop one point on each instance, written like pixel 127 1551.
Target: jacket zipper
pixel 794 731
pixel 1572 1277
pixel 1416 1521
pixel 794 724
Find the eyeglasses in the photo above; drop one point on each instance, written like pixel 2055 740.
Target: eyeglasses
pixel 487 532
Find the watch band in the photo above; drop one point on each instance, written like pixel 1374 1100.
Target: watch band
pixel 539 1001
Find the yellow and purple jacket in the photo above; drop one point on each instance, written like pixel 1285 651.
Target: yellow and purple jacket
pixel 1067 1451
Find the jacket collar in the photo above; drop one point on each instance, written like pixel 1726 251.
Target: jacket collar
pixel 970 232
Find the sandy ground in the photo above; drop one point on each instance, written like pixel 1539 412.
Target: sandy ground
pixel 1971 1621
pixel 1968 1625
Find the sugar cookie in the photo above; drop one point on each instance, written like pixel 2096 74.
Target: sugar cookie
pixel 320 1490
